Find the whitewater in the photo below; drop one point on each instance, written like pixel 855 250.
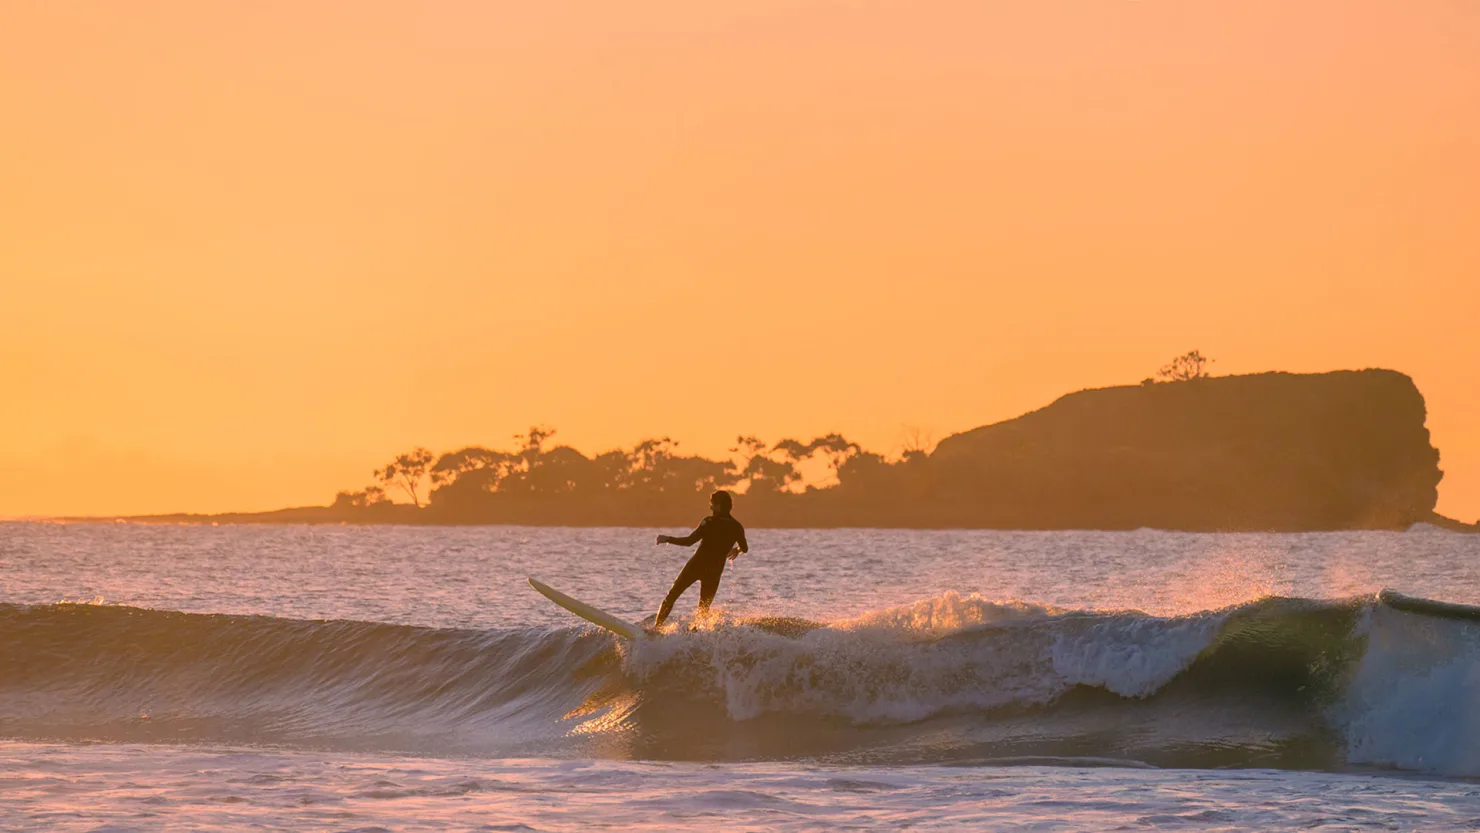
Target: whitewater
pixel 355 678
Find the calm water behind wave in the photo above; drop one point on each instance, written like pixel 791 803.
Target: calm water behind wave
pixel 474 576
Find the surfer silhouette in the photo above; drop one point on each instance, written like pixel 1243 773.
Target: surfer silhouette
pixel 720 538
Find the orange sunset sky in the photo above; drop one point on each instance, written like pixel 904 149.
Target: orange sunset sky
pixel 248 251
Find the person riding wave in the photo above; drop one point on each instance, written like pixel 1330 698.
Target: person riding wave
pixel 721 539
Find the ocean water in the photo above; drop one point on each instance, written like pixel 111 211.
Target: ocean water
pixel 363 678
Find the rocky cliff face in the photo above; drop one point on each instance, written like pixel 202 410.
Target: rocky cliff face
pixel 1272 451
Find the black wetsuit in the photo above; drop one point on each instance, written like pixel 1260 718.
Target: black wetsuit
pixel 715 535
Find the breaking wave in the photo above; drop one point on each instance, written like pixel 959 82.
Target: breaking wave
pixel 1282 682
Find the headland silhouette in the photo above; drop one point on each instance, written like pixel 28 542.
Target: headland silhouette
pixel 1269 451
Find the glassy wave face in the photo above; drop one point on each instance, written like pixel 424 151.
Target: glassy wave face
pixel 1279 682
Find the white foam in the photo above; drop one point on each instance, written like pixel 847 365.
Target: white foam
pixel 1134 655
pixel 937 655
pixel 947 613
pixel 1414 700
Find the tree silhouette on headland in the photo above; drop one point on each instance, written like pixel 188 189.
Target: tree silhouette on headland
pixel 363 499
pixel 468 482
pixel 406 473
pixel 1186 367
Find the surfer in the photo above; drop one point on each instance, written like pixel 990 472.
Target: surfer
pixel 720 538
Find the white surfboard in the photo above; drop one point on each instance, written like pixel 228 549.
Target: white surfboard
pixel 587 612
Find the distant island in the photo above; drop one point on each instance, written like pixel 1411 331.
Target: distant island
pixel 1284 452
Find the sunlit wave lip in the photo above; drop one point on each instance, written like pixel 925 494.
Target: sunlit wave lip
pixel 950 612
pixel 1272 682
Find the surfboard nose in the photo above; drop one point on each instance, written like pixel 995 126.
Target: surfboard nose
pixel 590 613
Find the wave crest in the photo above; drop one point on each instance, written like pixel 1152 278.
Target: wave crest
pixel 1275 682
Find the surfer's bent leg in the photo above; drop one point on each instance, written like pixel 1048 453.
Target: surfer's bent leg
pixel 685 580
pixel 709 585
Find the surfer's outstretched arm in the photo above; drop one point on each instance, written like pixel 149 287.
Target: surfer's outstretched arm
pixel 686 541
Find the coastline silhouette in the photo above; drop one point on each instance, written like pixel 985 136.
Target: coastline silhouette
pixel 1269 451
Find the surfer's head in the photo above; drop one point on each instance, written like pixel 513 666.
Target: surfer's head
pixel 721 502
